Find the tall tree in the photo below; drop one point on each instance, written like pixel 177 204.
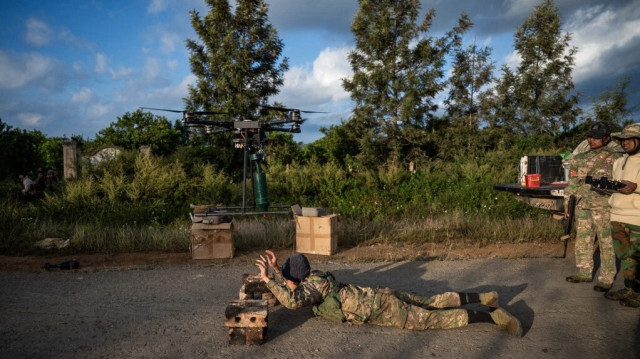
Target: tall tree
pixel 237 60
pixel 398 71
pixel 612 106
pixel 472 71
pixel 543 86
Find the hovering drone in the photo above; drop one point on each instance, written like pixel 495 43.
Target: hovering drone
pixel 250 136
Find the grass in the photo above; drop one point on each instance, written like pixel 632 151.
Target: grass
pixel 250 233
pixel 138 204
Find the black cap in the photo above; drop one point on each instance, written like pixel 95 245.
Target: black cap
pixel 296 268
pixel 599 130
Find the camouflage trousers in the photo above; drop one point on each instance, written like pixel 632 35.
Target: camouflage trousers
pixel 404 310
pixel 589 225
pixel 626 241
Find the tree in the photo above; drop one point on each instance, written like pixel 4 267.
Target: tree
pixel 398 71
pixel 541 89
pixel 612 105
pixel 336 145
pixel 20 151
pixel 238 65
pixel 139 128
pixel 472 70
pixel 237 62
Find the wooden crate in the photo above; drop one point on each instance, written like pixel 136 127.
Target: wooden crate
pixel 317 235
pixel 211 241
pixel 247 321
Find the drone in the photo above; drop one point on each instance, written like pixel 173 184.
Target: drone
pixel 250 136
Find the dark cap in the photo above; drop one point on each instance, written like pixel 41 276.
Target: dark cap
pixel 599 130
pixel 296 268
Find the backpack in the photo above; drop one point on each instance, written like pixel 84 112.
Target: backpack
pixel 330 308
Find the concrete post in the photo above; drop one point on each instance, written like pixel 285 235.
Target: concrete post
pixel 145 150
pixel 70 157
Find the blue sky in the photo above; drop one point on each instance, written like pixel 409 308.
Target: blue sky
pixel 73 67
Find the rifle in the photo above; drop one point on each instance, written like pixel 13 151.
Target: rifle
pixel 568 223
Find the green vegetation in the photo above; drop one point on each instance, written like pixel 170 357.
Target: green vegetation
pixel 401 169
pixel 137 203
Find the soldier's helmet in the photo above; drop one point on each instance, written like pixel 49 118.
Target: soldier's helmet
pixel 630 131
pixel 599 130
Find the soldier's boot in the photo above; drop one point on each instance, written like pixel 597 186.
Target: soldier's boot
pixel 621 293
pixel 602 287
pixel 489 299
pixel 632 301
pixel 506 321
pixel 578 279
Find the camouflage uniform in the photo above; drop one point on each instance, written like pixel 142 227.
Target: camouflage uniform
pixel 592 213
pixel 380 306
pixel 625 219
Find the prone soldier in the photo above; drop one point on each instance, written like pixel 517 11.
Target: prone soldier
pixel 343 302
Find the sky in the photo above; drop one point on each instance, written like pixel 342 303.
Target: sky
pixel 73 67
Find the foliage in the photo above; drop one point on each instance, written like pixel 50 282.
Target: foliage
pixel 471 72
pixel 612 106
pixel 398 71
pixel 139 128
pixel 20 152
pixel 237 62
pixel 537 98
pixel 395 171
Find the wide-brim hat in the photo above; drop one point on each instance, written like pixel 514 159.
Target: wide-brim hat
pixel 630 131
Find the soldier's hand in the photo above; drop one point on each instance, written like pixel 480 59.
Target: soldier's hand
pixel 629 188
pixel 272 260
pixel 262 265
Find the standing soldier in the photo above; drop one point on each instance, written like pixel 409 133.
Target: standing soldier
pixel 625 216
pixel 592 209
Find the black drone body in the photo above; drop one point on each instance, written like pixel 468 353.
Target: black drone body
pixel 250 136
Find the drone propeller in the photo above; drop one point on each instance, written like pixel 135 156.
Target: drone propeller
pixel 282 122
pixel 186 112
pixel 284 109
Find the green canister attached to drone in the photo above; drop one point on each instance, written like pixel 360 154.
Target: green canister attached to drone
pixel 259 182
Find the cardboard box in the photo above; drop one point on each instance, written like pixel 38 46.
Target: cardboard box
pixel 317 235
pixel 211 241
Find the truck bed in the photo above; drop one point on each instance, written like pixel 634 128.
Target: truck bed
pixel 555 190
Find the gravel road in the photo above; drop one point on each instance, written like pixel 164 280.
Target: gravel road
pixel 178 312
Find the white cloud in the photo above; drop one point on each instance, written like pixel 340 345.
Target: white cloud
pixel 82 96
pixel 168 42
pixel 97 110
pixel 17 70
pixel 518 8
pixel 156 6
pixel 38 33
pixel 101 63
pixel 152 68
pixel 30 119
pixel 322 83
pixel 121 72
pixel 172 64
pixel 512 60
pixel 597 31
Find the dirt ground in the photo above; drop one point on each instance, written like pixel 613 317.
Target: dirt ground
pixel 169 306
pixel 371 253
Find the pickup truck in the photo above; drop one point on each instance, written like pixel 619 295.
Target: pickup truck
pixel 549 194
pixel 554 177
